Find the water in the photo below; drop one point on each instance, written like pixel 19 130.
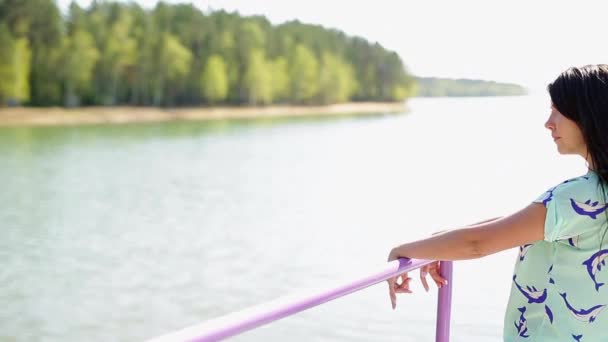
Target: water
pixel 122 233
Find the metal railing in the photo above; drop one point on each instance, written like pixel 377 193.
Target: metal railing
pixel 239 322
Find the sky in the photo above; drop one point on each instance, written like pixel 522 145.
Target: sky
pixel 517 41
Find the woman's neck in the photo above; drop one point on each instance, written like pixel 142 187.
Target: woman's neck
pixel 590 165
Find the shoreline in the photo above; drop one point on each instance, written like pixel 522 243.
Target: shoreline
pixel 59 116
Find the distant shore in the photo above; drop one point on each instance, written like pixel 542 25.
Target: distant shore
pixel 58 116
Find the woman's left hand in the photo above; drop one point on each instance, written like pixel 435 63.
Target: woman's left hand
pixel 434 269
pixel 393 286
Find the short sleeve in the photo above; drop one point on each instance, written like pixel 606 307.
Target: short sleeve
pixel 572 209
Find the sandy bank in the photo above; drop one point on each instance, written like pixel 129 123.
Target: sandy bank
pixel 116 115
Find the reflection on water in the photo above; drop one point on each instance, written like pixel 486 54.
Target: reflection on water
pixel 120 233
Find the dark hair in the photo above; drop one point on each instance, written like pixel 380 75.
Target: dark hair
pixel 581 95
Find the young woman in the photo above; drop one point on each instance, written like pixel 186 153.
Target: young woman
pixel 560 285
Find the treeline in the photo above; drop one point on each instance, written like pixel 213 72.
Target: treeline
pixel 436 87
pixel 122 54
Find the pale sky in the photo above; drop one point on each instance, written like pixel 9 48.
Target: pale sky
pixel 521 41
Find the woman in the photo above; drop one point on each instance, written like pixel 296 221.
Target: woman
pixel 559 289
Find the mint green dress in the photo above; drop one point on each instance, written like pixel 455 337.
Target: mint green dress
pixel 560 285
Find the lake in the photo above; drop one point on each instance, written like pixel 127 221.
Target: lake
pixel 123 233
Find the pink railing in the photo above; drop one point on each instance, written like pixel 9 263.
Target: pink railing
pixel 239 322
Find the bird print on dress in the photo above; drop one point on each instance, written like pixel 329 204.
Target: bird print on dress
pixel 523 250
pixel 577 337
pixel 551 281
pixel 594 264
pixel 531 293
pixel 522 325
pixel 571 240
pixel 547 196
pixel 583 315
pixel 549 314
pixel 587 208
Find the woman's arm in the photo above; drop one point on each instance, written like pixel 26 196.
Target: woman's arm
pixel 472 224
pixel 488 237
pixel 485 221
pixel 470 242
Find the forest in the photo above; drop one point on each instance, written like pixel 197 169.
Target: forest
pixel 117 53
pixel 447 87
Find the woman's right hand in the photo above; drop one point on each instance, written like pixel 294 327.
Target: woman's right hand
pixel 434 269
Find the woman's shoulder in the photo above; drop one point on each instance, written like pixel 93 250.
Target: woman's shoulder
pixel 586 185
pixel 586 182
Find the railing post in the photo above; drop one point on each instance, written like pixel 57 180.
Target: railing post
pixel 444 304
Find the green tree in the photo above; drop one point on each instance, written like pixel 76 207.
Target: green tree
pixel 7 69
pixel 336 80
pixel 303 75
pixel 280 79
pixel 258 79
pixel 15 58
pixel 23 57
pixel 78 60
pixel 118 53
pixel 214 80
pixel 173 63
pixel 227 49
pixel 249 37
pixel 40 23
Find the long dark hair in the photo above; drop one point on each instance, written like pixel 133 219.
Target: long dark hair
pixel 581 95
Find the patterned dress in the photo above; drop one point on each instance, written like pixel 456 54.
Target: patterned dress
pixel 560 285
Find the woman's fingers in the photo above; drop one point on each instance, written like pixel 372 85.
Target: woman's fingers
pixel 394 287
pixel 404 287
pixel 434 270
pixel 424 270
pixel 391 291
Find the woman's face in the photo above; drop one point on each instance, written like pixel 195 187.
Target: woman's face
pixel 566 134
